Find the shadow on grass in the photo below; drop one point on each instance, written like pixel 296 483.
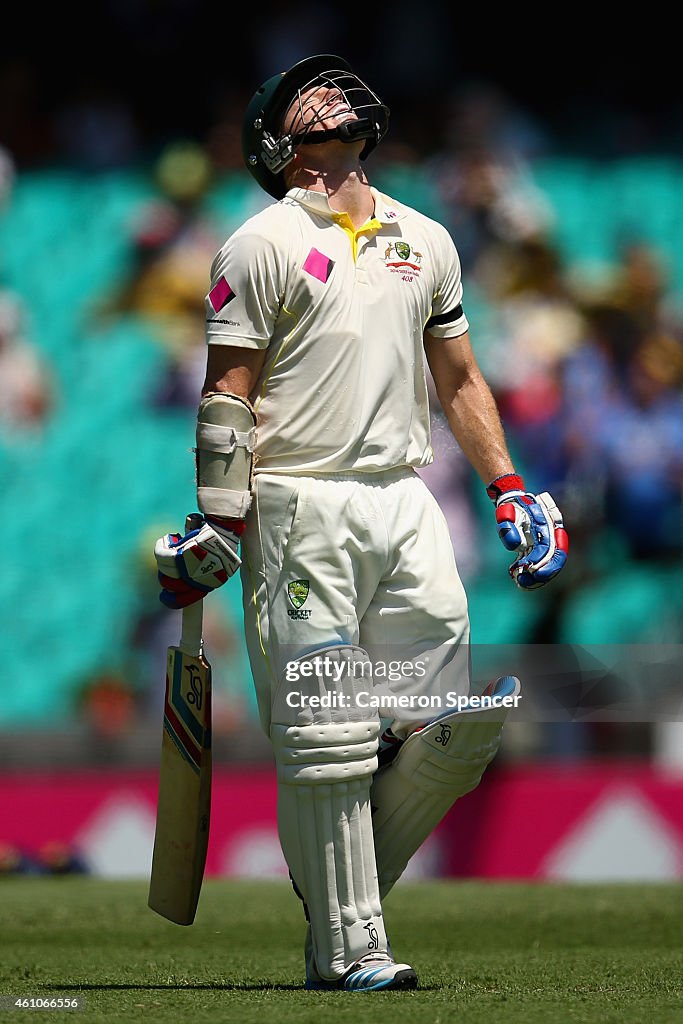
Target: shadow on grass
pixel 227 986
pixel 217 986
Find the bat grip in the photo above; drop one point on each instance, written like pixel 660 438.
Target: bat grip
pixel 192 616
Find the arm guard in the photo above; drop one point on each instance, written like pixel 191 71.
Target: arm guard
pixel 226 437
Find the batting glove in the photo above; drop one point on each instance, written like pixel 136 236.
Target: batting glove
pixel 194 565
pixel 530 525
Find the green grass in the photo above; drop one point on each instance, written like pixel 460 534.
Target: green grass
pixel 517 954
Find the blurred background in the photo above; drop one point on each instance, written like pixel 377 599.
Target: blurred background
pixel 556 161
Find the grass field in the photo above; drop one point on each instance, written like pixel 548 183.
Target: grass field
pixel 484 953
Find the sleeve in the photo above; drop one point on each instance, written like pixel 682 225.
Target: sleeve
pixel 244 299
pixel 447 318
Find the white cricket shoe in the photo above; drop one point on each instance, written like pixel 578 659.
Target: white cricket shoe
pixel 372 972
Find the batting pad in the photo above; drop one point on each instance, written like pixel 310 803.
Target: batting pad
pixel 324 769
pixel 434 767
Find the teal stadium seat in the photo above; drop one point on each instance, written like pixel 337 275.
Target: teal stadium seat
pixel 599 205
pixel 634 604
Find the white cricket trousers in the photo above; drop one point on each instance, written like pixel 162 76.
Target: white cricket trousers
pixel 353 558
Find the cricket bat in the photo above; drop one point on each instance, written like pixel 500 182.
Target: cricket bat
pixel 184 801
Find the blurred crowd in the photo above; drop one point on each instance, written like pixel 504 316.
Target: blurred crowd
pixel 587 370
pixel 26 380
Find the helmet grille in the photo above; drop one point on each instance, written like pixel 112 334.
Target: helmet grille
pixel 343 87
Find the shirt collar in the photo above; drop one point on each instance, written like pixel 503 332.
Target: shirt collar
pixel 386 212
pixel 316 201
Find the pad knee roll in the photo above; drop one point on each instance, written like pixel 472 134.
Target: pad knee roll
pixel 322 754
pixel 329 738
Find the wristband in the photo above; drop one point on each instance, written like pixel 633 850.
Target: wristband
pixel 504 484
pixel 236 526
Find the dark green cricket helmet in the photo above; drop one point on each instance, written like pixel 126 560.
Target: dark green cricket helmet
pixel 267 149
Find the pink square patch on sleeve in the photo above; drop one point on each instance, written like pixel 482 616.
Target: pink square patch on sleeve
pixel 220 295
pixel 318 265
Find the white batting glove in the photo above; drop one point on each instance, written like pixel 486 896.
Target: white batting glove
pixel 194 565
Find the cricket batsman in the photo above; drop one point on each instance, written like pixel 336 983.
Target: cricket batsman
pixel 320 314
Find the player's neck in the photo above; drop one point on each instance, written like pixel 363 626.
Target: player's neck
pixel 352 195
pixel 344 183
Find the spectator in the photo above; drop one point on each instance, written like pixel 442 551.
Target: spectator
pixel 483 178
pixel 623 408
pixel 640 440
pixel 26 383
pixel 536 326
pixel 172 243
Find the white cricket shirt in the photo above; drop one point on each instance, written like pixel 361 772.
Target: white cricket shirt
pixel 341 313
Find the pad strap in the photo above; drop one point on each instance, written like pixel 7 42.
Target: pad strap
pixel 213 438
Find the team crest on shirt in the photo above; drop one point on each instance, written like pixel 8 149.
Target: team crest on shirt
pixel 402 258
pixel 297 592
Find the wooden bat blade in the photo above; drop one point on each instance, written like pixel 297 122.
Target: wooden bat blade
pixel 184 802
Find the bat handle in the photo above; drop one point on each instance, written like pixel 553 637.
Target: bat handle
pixel 191 630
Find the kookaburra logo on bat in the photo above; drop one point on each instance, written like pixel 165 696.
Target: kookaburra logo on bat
pixel 195 693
